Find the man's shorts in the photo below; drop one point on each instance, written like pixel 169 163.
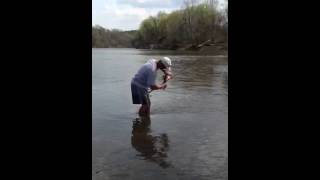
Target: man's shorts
pixel 139 95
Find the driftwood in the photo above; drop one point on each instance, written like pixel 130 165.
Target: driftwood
pixel 206 43
pixel 199 46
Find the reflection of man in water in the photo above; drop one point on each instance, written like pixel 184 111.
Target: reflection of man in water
pixel 145 79
pixel 151 148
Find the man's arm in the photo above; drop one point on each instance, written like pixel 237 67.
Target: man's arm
pixel 157 87
pixel 163 85
pixel 167 76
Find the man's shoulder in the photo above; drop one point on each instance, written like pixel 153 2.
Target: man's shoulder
pixel 147 67
pixel 152 60
pixel 153 64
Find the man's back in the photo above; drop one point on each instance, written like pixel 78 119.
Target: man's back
pixel 146 75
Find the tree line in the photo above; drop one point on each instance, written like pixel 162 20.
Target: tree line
pixel 104 38
pixel 190 26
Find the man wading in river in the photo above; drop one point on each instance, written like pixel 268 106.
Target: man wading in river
pixel 145 79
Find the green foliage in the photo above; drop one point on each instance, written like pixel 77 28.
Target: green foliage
pixel 104 38
pixel 192 25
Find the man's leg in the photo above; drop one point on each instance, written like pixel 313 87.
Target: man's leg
pixel 148 104
pixel 140 111
pixel 144 110
pixel 145 107
pixel 148 108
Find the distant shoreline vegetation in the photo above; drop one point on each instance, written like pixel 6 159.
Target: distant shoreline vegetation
pixel 191 28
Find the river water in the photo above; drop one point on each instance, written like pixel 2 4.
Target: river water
pixel 186 136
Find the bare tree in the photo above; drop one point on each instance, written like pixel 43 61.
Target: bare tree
pixel 189 17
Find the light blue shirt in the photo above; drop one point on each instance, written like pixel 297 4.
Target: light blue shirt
pixel 146 76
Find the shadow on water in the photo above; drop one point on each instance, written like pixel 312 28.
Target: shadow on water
pixel 151 148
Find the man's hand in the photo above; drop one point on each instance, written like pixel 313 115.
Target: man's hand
pixel 164 86
pixel 158 87
pixel 166 78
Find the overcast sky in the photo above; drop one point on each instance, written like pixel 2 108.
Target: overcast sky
pixel 128 14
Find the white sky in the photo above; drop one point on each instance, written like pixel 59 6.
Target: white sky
pixel 128 14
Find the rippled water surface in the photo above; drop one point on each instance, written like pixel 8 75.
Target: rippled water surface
pixel 186 136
